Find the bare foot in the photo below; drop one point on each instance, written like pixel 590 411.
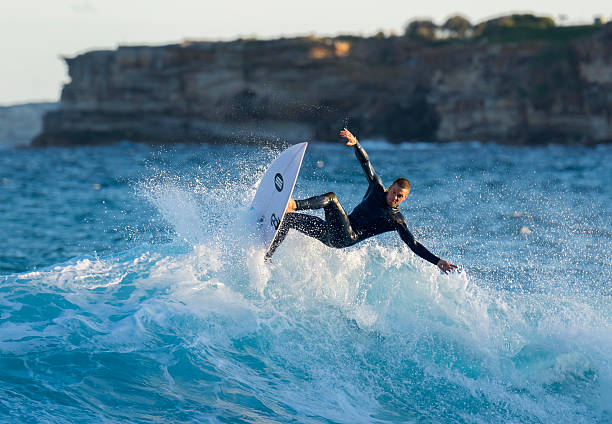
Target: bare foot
pixel 290 206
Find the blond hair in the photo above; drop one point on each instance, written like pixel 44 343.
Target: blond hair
pixel 403 183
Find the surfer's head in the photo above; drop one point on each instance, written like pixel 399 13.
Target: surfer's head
pixel 397 192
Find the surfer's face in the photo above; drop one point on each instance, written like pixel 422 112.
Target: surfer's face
pixel 396 195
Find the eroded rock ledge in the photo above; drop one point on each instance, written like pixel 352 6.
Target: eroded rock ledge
pixel 308 88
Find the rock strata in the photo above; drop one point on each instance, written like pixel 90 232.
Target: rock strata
pixel 308 88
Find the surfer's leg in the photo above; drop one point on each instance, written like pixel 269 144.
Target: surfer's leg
pixel 334 231
pixel 315 202
pixel 312 226
pixel 339 231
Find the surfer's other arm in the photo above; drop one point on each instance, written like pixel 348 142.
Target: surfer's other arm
pixel 419 249
pixel 414 245
pixel 362 156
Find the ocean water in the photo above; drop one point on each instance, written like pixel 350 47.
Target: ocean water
pixel 128 295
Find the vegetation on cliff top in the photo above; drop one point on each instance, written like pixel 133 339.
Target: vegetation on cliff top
pixel 516 28
pixel 505 29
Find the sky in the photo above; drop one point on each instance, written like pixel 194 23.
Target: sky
pixel 36 34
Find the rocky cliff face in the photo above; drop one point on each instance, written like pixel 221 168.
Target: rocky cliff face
pixel 308 88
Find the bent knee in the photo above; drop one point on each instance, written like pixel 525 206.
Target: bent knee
pixel 331 197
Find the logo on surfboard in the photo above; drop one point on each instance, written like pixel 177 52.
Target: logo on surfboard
pixel 278 182
pixel 274 221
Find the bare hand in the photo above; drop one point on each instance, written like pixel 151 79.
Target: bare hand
pixel 351 139
pixel 290 206
pixel 446 266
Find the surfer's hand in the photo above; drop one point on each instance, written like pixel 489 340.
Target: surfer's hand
pixel 351 139
pixel 445 266
pixel 290 206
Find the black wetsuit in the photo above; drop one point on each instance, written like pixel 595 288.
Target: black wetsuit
pixel 371 217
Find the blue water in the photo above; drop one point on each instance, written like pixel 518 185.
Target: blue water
pixel 127 294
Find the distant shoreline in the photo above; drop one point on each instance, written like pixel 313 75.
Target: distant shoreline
pixel 20 123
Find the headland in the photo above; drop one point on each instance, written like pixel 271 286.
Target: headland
pixel 508 83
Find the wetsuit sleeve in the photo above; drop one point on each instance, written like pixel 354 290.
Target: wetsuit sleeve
pixel 364 160
pixel 414 245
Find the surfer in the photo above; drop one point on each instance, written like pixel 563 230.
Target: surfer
pixel 377 213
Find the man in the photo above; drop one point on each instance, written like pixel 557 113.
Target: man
pixel 377 213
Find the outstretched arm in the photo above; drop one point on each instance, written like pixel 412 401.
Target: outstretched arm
pixel 362 157
pixel 414 245
pixel 421 250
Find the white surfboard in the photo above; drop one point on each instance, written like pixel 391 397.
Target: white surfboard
pixel 273 194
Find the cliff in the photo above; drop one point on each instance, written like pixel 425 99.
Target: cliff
pixel 521 92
